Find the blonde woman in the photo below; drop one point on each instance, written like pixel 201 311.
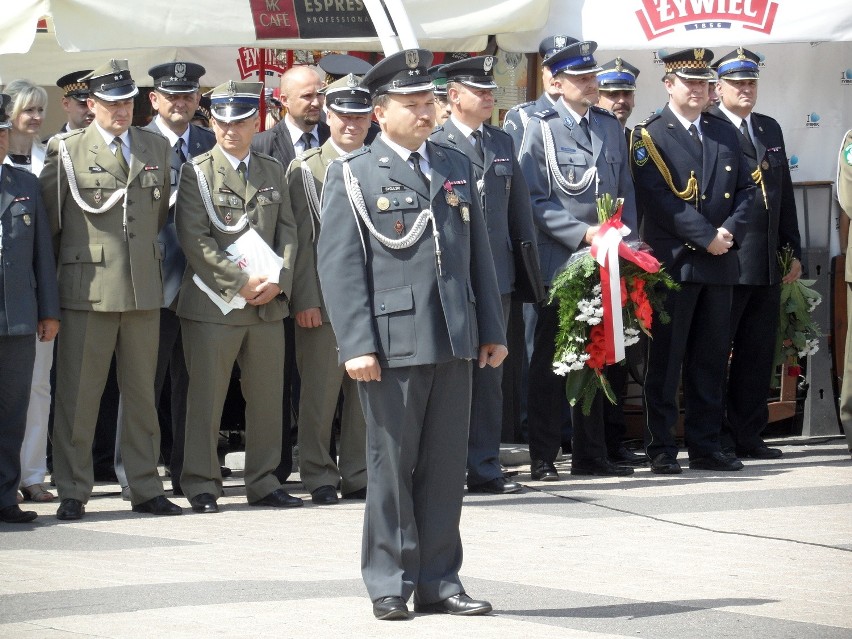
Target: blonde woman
pixel 27 109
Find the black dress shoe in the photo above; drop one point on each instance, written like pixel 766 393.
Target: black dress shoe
pixel 543 471
pixel 361 493
pixel 600 467
pixel 278 499
pixel 665 464
pixel 204 503
pixel 158 505
pixel 324 495
pixel 626 456
pixel 760 452
pixel 390 609
pixel 70 509
pixel 225 471
pixel 14 515
pixel 497 486
pixel 716 461
pixel 460 604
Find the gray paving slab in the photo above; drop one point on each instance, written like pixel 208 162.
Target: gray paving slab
pixel 766 552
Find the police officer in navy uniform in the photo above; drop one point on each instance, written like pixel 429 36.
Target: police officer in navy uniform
pixel 617 90
pixel 409 284
pixel 757 295
pixel 506 206
pixel 572 154
pixel 695 195
pixel 517 117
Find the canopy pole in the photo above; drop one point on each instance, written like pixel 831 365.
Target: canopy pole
pixel 262 70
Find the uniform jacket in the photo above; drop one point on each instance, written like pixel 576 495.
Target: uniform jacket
pixel 267 205
pixel 201 140
pixel 102 265
pixel 394 303
pixel 677 230
pixel 778 225
pixel 28 270
pixel 504 196
pixel 277 142
pixel 561 219
pixel 516 119
pixel 306 284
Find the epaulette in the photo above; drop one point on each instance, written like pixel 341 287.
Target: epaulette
pixel 522 105
pixel 155 134
pixel 648 120
pixel 69 134
pixel 264 156
pixel 353 154
pixel 544 114
pixel 304 155
pixel 198 159
pixel 715 116
pixel 597 109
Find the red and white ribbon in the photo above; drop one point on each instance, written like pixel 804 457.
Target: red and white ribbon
pixel 605 250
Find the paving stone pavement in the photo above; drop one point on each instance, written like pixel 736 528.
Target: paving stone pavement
pixel 765 552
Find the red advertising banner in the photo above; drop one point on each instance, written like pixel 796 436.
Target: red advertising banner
pixel 283 19
pixel 274 19
pixel 659 17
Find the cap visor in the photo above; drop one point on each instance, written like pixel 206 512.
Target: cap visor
pixel 232 113
pixel 118 93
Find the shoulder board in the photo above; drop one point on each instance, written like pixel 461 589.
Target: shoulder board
pixel 495 129
pixel 596 109
pixel 522 105
pixel 716 116
pixel 198 159
pixel 304 155
pixel 353 154
pixel 69 134
pixel 544 114
pixel 648 120
pixel 264 156
pixel 145 131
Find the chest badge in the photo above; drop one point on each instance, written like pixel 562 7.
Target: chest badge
pixel 465 212
pixel 27 219
pixel 399 227
pixel 97 197
pixel 157 193
pixel 764 165
pixel 450 194
pixel 228 217
pixel 233 200
pixel 383 203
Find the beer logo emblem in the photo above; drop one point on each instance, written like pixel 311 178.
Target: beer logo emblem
pixel 412 58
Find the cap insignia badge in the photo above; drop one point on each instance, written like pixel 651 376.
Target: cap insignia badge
pixel 585 48
pixel 180 70
pixel 412 58
pixel 559 42
pixel 351 82
pixel 488 63
pixel 699 54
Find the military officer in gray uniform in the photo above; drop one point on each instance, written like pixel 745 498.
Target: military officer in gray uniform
pixel 515 122
pixel 348 117
pixel 409 284
pixel 572 154
pixel 106 189
pixel 505 200
pixel 226 195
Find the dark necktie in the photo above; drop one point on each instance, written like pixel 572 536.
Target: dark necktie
pixel 414 158
pixel 693 131
pixel 119 155
pixel 477 144
pixel 179 150
pixel 584 124
pixel 748 145
pixel 241 169
pixel 307 141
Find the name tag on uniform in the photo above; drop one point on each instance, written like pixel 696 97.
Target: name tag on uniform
pixel 95 169
pixel 502 159
pixel 150 167
pixel 391 189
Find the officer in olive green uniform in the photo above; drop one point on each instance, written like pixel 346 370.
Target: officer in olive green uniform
pixel 225 195
pixel 348 118
pixel 844 196
pixel 106 189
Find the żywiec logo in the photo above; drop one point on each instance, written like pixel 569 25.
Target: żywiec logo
pixel 812 121
pixel 659 17
pixel 249 62
pixel 794 162
pixel 846 77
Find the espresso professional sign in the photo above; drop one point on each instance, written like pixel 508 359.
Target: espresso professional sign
pixel 284 19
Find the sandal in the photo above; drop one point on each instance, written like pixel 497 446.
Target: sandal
pixel 37 492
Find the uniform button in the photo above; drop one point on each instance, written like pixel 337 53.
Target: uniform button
pixel 727 196
pixel 382 307
pixel 254 220
pixel 129 202
pixel 727 168
pixel 130 218
pixel 132 235
pixel 703 197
